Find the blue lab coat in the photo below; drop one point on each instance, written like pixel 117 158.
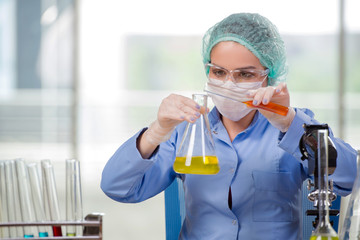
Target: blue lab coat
pixel 261 165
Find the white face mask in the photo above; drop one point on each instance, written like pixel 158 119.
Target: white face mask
pixel 230 109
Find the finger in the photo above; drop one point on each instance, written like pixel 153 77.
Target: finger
pixel 180 112
pixel 190 119
pixel 190 103
pixel 189 109
pixel 192 115
pixel 171 117
pixel 175 106
pixel 183 116
pixel 281 88
pixel 180 108
pixel 251 93
pixel 258 96
pixel 178 100
pixel 269 92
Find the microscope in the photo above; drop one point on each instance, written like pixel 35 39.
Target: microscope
pixel 316 146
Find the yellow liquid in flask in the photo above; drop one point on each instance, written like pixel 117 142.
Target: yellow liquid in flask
pixel 199 165
pixel 323 238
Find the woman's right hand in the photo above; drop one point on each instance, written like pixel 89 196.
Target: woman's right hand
pixel 173 110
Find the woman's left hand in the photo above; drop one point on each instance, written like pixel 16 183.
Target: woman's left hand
pixel 279 95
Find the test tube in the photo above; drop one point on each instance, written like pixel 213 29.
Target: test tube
pixel 12 193
pixel 4 231
pixel 51 195
pixel 235 96
pixel 271 107
pixel 73 196
pixel 18 216
pixel 26 204
pixel 45 196
pixel 37 197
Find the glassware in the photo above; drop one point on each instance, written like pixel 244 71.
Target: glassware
pixel 27 210
pixel 4 231
pixel 50 195
pixel 196 154
pixel 73 196
pixel 12 193
pixel 236 75
pixel 351 225
pixel 36 190
pixel 235 96
pixel 324 230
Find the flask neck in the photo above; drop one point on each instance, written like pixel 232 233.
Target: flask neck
pixel 200 99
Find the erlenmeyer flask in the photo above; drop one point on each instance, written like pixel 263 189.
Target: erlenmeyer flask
pixel 351 227
pixel 196 154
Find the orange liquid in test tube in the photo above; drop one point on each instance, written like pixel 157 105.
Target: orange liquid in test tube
pixel 272 107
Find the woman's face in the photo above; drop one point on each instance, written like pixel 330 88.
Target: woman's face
pixel 232 55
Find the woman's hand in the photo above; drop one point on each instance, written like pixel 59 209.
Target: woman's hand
pixel 279 95
pixel 173 110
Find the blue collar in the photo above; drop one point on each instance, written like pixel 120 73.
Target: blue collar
pixel 215 119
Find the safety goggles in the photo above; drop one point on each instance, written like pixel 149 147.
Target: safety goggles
pixel 239 75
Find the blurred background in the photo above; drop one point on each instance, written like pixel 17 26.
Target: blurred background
pixel 78 78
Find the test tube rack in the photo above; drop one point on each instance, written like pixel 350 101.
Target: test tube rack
pixel 92 227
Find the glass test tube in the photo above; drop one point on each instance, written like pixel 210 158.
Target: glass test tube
pixel 235 96
pixel 26 204
pixel 4 231
pixel 45 197
pixel 37 197
pixel 351 225
pixel 12 193
pixel 73 196
pixel 51 195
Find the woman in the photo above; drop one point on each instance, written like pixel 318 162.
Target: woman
pixel 256 193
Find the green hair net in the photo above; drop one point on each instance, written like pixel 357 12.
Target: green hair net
pixel 257 34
